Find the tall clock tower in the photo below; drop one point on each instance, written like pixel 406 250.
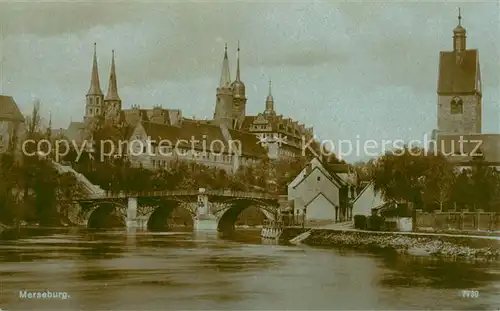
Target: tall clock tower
pixel 459 87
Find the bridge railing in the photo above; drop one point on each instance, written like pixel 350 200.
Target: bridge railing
pixel 224 193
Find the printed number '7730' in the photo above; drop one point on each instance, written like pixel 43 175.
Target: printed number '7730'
pixel 470 294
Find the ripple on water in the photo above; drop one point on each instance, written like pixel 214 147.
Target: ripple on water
pixel 185 271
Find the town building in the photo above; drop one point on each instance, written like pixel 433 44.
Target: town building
pixel 459 133
pixel 153 146
pixel 367 200
pixel 281 137
pixel 11 125
pixel 320 193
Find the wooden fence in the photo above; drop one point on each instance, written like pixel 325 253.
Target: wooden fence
pixel 457 221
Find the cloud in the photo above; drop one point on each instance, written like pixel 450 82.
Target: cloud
pixel 56 18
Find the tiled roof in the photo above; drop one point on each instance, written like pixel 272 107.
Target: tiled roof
pixel 210 134
pixel 250 144
pixel 247 122
pixel 9 110
pixel 160 132
pixel 458 78
pixel 336 168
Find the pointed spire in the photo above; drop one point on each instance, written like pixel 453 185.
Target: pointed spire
pixel 270 95
pixel 225 78
pixel 238 63
pixel 95 87
pixel 459 35
pixel 112 86
pixel 269 102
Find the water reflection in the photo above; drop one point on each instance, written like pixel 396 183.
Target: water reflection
pixel 198 271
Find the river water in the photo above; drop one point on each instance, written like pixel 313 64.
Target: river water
pixel 201 271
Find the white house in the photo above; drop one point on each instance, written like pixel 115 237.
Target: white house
pixel 319 194
pixel 366 201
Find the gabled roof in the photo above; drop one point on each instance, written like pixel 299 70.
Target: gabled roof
pixel 9 111
pixel 334 169
pixel 362 191
pixel 336 181
pixel 458 78
pixel 317 195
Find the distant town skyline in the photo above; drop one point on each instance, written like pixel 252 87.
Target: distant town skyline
pixel 353 71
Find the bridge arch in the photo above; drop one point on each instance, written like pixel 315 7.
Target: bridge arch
pixel 105 214
pixel 228 215
pixel 168 213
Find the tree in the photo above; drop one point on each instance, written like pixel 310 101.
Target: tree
pixel 9 188
pixel 439 179
pixel 396 175
pixel 413 176
pixel 484 182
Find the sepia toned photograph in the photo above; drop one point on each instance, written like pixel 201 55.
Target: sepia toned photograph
pixel 249 155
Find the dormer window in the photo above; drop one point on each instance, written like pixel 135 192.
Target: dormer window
pixel 457 106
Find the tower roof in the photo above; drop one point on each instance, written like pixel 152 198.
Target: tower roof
pixel 95 87
pixel 238 86
pixel 225 77
pixel 458 78
pixel 112 86
pixel 459 29
pixel 270 95
pixel 238 63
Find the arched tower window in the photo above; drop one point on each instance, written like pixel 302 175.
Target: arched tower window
pixel 457 105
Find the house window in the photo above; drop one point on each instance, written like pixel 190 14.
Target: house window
pixel 457 106
pixel 318 178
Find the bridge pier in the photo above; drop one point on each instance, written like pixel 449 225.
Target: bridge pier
pixel 204 219
pixel 131 220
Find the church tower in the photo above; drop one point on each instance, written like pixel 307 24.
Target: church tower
pixel 459 87
pixel 94 97
pixel 224 98
pixel 239 97
pixel 112 102
pixel 269 103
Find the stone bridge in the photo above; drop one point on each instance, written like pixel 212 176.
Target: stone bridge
pixel 209 209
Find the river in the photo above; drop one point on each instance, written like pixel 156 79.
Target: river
pixel 201 271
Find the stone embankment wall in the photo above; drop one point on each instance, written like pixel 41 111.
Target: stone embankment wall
pixel 458 247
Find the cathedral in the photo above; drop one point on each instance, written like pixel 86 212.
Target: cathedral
pixel 459 106
pixel 276 136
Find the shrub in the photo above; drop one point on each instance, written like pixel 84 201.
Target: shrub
pixel 360 222
pixel 376 223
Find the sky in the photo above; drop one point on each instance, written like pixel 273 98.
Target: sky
pixel 352 70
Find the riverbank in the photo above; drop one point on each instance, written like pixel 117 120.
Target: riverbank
pixel 435 245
